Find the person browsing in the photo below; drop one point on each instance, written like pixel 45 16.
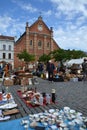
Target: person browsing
pixel 50 68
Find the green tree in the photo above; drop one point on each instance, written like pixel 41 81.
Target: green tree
pixel 75 54
pixel 26 56
pixel 64 55
pixel 44 58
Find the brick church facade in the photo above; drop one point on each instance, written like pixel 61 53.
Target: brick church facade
pixel 37 39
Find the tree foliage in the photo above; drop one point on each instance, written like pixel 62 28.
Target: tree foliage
pixel 44 58
pixel 75 54
pixel 63 55
pixel 26 56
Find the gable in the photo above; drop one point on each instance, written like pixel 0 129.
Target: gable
pixel 40 27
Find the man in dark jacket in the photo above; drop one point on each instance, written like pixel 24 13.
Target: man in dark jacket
pixel 84 68
pixel 50 68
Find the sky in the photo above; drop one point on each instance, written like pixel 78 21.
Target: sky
pixel 67 17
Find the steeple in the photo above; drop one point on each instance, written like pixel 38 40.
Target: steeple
pixel 40 18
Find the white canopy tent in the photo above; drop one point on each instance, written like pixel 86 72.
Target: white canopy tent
pixel 75 61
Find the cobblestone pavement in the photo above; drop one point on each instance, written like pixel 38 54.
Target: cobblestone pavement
pixel 71 94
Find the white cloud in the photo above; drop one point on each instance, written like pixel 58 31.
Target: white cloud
pixel 11 26
pixel 80 20
pixel 71 7
pixel 47 13
pixel 17 29
pixel 72 30
pixel 5 22
pixel 71 39
pixel 25 6
pixel 28 7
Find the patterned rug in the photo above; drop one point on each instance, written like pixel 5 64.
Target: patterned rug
pixel 27 101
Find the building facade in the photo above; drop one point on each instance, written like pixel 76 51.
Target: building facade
pixel 7 49
pixel 37 39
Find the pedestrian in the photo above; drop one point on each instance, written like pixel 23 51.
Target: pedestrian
pixel 50 69
pixel 1 71
pixel 40 67
pixel 6 70
pixel 58 67
pixel 84 69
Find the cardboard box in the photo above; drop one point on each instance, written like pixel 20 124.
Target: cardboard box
pixel 24 81
pixel 8 82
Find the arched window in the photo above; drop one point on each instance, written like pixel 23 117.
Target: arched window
pixel 39 44
pixel 48 45
pixel 31 42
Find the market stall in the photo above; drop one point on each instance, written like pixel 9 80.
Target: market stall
pixel 53 119
pixel 33 98
pixel 7 106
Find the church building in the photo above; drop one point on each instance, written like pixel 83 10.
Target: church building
pixel 37 39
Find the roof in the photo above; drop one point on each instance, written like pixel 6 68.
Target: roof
pixel 75 61
pixel 6 37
